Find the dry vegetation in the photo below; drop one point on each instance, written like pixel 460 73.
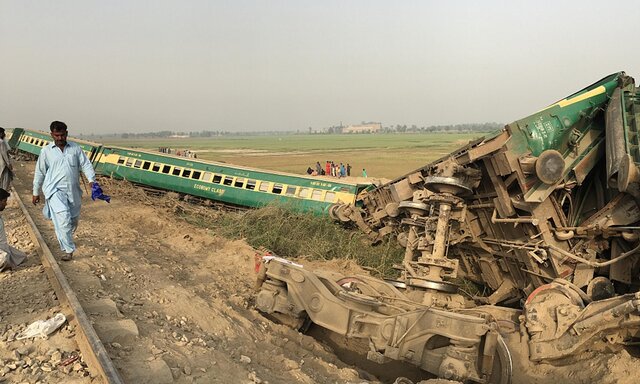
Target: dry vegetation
pixel 291 234
pixel 280 230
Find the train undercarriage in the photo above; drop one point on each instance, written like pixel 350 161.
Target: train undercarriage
pixel 544 214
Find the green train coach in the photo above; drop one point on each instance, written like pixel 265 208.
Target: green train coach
pixel 33 141
pixel 221 182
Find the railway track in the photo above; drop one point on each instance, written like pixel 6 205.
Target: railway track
pixel 83 358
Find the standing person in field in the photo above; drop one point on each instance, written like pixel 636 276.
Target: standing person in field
pixel 348 169
pixel 364 172
pixel 318 168
pixel 6 169
pixel 327 168
pixel 58 174
pixel 343 170
pixel 10 257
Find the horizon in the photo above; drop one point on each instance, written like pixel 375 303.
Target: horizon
pixel 252 66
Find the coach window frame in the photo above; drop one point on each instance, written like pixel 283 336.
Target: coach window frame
pixel 264 186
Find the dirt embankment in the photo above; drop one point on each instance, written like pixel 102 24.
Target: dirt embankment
pixel 189 293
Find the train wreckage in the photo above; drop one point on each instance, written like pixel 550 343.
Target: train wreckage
pixel 544 213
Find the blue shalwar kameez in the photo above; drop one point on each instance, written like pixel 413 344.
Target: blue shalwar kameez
pixel 58 174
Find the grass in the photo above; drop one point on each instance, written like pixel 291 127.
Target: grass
pixel 293 234
pixel 290 142
pixel 384 156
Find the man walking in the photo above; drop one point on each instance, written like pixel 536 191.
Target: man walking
pixel 6 170
pixel 58 174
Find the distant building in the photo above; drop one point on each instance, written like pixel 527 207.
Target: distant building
pixel 363 128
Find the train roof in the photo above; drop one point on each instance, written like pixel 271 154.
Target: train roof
pixel 47 134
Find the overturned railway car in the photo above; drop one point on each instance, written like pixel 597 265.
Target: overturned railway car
pixel 544 214
pixel 219 182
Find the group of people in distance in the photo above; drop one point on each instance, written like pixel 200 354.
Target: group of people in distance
pixel 177 152
pixel 332 169
pixel 57 175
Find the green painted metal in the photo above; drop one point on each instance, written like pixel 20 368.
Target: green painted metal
pixel 562 123
pixel 231 194
pixel 15 136
pixel 630 100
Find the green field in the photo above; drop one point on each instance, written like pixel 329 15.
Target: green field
pixel 384 156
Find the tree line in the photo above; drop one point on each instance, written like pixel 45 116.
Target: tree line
pixel 390 129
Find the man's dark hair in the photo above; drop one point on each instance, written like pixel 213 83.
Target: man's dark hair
pixel 58 126
pixel 4 194
pixel 1 130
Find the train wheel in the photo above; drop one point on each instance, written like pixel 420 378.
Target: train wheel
pixel 502 366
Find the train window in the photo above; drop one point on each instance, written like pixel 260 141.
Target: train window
pixel 31 141
pixel 277 188
pixel 129 162
pixel 186 173
pixel 156 167
pixel 304 193
pixel 330 197
pixel 207 176
pixel 166 169
pixel 176 171
pixel 217 179
pixel 290 191
pixel 264 186
pixel 251 184
pixel 228 181
pixel 196 175
pixel 317 194
pixel 137 164
pixel 121 160
pixel 239 182
pixel 146 165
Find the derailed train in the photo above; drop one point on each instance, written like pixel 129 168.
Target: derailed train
pixel 212 181
pixel 544 213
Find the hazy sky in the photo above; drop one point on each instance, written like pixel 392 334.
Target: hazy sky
pixel 140 66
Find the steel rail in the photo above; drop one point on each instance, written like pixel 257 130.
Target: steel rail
pixel 93 351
